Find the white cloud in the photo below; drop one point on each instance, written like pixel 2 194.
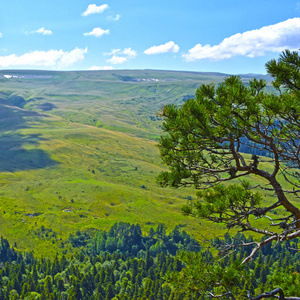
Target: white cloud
pixel 0 35
pixel 169 47
pixel 97 32
pixel 273 38
pixel 113 52
pixel 129 52
pixel 95 68
pixel 50 58
pixel 43 31
pixel 117 60
pixel 116 18
pixel 121 56
pixel 94 9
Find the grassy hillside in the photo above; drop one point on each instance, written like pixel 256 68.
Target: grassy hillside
pixel 78 151
pixel 124 101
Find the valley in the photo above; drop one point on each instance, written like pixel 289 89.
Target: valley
pixel 78 151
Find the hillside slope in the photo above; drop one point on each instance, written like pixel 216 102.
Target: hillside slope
pixel 78 151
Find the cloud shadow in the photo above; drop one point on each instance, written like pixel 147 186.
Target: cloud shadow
pixel 15 152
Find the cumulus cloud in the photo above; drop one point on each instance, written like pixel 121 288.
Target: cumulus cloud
pixel 0 35
pixel 121 56
pixel 117 60
pixel 116 18
pixel 97 32
pixel 273 38
pixel 129 52
pixel 95 68
pixel 94 9
pixel 44 31
pixel 169 47
pixel 50 58
pixel 113 52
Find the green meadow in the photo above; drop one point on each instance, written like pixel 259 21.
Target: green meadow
pixel 78 151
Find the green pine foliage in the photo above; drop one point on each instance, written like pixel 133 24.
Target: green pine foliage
pixel 129 240
pixel 276 266
pixel 84 276
pixel 163 276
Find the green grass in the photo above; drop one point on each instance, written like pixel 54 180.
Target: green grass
pixel 107 98
pixel 81 153
pixel 99 176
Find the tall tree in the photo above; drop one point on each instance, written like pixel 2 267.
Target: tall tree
pixel 219 142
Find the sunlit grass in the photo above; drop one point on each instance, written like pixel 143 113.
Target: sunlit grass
pixel 82 154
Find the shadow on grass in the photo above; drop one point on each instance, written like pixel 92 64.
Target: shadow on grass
pixel 15 152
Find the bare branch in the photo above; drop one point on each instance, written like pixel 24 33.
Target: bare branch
pixel 229 294
pixel 269 295
pixel 259 245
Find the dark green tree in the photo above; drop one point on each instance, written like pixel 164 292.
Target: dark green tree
pixel 48 285
pixel 109 292
pixel 100 292
pixel 216 143
pixel 60 285
pixel 75 291
pixel 149 260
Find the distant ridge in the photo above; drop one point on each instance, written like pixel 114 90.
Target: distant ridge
pixel 31 71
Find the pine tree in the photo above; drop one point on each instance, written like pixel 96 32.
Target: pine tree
pixel 205 142
pixel 134 270
pixel 100 292
pixel 48 285
pixel 60 285
pixel 25 290
pixel 109 291
pixel 149 260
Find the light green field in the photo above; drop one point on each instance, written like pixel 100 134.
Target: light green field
pixel 78 151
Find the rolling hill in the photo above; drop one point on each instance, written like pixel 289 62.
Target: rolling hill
pixel 78 151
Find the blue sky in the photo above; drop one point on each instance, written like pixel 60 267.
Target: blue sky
pixel 193 35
